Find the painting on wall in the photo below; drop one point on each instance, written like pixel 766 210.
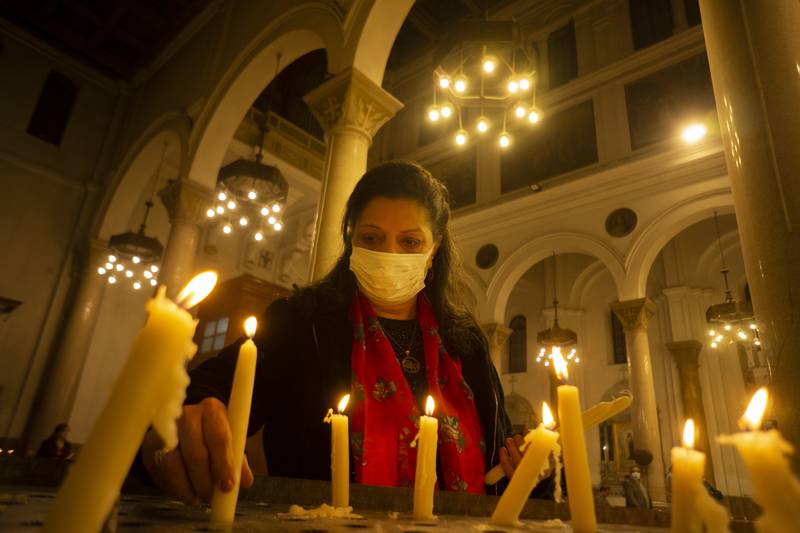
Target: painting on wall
pixel 623 438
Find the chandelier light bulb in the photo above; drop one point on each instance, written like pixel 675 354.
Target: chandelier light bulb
pixel 243 221
pixel 264 211
pixel 258 236
pixel 483 125
pixel 433 113
pixel 148 274
pixel 520 111
pixel 276 208
pixel 524 84
pixel 444 82
pixel 278 226
pixel 109 266
pixel 714 344
pixel 460 84
pixel 489 64
pixel 137 285
pixel 153 268
pixel 533 116
pixel 153 282
pixel 220 210
pixel 447 110
pixel 753 327
pixel 101 271
pixel 694 132
pixel 222 197
pixel 272 220
pixel 461 137
pixel 727 327
pixel 128 274
pixel 226 229
pixel 210 213
pixel 112 259
pixel 136 259
pixel 251 195
pixel 112 280
pixel 513 86
pixel 231 205
pixel 504 140
pixel 119 267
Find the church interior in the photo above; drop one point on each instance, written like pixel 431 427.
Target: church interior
pixel 623 185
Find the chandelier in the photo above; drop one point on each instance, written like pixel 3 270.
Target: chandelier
pixel 491 74
pixel 250 195
pixel 730 321
pixel 134 256
pixel 555 341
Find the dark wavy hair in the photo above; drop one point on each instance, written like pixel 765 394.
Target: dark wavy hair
pixel 444 284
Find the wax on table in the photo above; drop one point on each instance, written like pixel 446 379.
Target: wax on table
pixel 425 477
pixel 223 504
pixel 764 453
pixel 150 388
pixel 576 461
pixel 536 460
pixel 593 416
pixel 340 454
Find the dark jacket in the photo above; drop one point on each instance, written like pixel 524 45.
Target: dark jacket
pixel 304 368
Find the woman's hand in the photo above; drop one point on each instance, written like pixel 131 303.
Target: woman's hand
pixel 510 456
pixel 203 459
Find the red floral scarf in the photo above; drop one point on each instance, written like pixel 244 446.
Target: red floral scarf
pixel 384 414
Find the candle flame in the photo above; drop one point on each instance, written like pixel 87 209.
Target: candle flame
pixel 250 326
pixel 343 403
pixel 547 417
pixel 197 289
pixel 755 409
pixel 429 405
pixel 688 434
pixel 560 364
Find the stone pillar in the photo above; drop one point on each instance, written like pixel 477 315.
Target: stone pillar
pixel 497 335
pixel 754 55
pixel 686 354
pixel 60 385
pixel 634 315
pixel 186 203
pixel 351 108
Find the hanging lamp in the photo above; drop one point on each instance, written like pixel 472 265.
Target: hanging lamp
pixel 555 339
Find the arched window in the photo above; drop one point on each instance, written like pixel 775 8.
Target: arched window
pixel 518 345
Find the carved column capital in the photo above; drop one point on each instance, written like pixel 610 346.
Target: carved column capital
pixel 186 201
pixel 351 100
pixel 634 314
pixel 686 353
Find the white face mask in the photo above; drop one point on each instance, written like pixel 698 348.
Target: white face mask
pixel 387 278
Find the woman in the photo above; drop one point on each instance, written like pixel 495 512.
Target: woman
pixel 388 325
pixel 56 445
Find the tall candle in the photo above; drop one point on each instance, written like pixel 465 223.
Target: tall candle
pixel 764 453
pixel 576 460
pixel 691 508
pixel 542 442
pixel 593 416
pixel 425 477
pixel 223 504
pixel 150 388
pixel 340 454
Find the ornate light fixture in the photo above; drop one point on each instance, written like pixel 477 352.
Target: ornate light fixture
pixel 492 73
pixel 250 195
pixel 730 321
pixel 134 256
pixel 556 341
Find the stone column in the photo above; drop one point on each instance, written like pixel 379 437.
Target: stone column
pixel 634 315
pixel 60 385
pixel 686 354
pixel 351 108
pixel 754 55
pixel 497 335
pixel 679 21
pixel 186 203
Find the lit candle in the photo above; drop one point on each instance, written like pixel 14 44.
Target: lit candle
pixel 150 389
pixel 223 504
pixel 692 506
pixel 576 460
pixel 340 454
pixel 593 416
pixel 535 462
pixel 764 453
pixel 425 476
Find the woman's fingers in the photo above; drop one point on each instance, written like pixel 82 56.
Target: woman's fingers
pixel 513 452
pixel 217 437
pixel 173 474
pixel 505 463
pixel 519 440
pixel 193 450
pixel 247 474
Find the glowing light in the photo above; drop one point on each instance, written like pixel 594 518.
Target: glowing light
pixel 243 221
pixel 344 401
pixel 446 110
pixel 489 64
pixel 444 82
pixel 101 271
pixel 560 364
pixel 264 211
pixel 755 410
pixel 222 197
pixel 137 285
pixel 520 111
pixel 712 333
pixel 505 140
pixel 119 268
pixel 231 205
pixel 433 113
pixel 533 116
pixel 153 282
pixel 272 220
pixel 714 344
pixel 429 406
pixel 250 326
pixel 153 268
pixel 547 416
pixel 198 288
pixel 513 86
pixel 483 125
pixel 461 137
pixel 524 84
pixel 112 259
pixel 112 280
pixel 109 266
pixel 220 209
pixel 136 260
pixel 460 84
pixel 251 195
pixel 688 434
pixel 148 274
pixel 276 208
pixel 753 326
pixel 210 213
pixel 226 229
pixel 128 274
pixel 278 226
pixel 694 132
pixel 727 327
pixel 258 236
pixel 742 335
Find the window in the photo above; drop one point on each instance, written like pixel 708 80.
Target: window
pixel 518 345
pixel 214 333
pixel 52 112
pixel 562 53
pixel 651 22
pixel 618 341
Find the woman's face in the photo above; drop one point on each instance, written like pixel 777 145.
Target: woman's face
pixel 394 225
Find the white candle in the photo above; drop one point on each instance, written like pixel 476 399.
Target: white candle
pixel 692 506
pixel 223 504
pixel 340 454
pixel 425 477
pixel 150 388
pixel 576 461
pixel 764 453
pixel 542 442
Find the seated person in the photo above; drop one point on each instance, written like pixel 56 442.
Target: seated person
pixel 56 445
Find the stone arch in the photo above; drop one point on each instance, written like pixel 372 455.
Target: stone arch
pixel 515 266
pixel 477 288
pixel 661 230
pixel 708 263
pixel 583 281
pixel 520 411
pixel 299 31
pixel 136 170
